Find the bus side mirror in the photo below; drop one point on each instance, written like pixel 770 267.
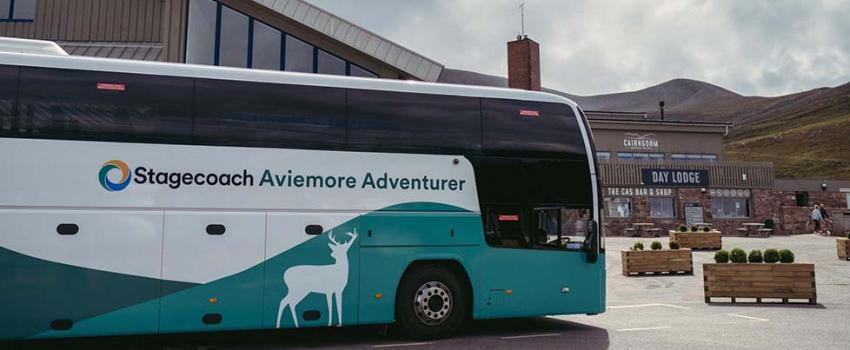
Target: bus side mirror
pixel 593 234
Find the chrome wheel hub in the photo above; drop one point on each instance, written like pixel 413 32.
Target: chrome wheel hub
pixel 432 303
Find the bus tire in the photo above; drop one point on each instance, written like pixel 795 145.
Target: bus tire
pixel 432 302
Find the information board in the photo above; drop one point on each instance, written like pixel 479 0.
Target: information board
pixel 693 214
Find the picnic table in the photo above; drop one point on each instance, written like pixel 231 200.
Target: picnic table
pixel 640 229
pixel 754 229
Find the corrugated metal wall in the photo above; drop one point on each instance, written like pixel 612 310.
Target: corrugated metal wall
pixel 133 21
pixel 721 174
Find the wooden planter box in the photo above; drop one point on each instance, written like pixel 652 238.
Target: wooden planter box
pixel 843 245
pixel 674 261
pixel 698 240
pixel 760 281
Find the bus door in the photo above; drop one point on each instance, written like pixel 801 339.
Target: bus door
pixel 536 264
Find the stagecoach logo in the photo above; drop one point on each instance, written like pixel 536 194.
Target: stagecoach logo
pixel 638 141
pixel 107 168
pixel 175 180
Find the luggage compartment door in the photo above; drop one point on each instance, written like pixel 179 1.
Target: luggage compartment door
pixel 221 254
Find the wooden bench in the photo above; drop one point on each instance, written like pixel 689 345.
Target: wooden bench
pixel 653 232
pixel 630 231
pixel 743 231
pixel 765 232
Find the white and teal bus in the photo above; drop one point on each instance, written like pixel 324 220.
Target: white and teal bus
pixel 144 198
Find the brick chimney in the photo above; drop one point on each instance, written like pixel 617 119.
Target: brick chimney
pixel 524 64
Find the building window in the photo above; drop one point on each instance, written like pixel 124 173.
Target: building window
pixel 299 56
pixel 640 156
pixel 603 155
pixel 730 208
pixel 220 35
pixel 233 46
pixel 200 45
pixel 266 47
pixel 357 71
pixel 802 199
pixel 691 157
pixel 17 10
pixel 619 207
pixel 662 207
pixel 329 64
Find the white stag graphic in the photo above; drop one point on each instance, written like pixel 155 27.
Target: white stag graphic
pixel 329 280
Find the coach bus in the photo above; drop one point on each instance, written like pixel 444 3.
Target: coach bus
pixel 152 198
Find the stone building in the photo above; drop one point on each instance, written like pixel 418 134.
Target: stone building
pixel 672 173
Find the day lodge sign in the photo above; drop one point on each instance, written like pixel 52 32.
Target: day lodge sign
pixel 675 177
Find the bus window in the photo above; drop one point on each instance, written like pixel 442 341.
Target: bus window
pixel 380 120
pixel 561 228
pixel 103 106
pixel 527 181
pixel 546 128
pixel 269 115
pixel 537 227
pixel 8 96
pixel 574 227
pixel 507 228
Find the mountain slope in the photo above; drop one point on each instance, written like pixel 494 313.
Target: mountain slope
pixel 804 135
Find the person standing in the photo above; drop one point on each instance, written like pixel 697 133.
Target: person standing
pixel 826 222
pixel 816 219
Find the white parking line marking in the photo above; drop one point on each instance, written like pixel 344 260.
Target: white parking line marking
pixel 643 329
pixel 532 336
pixel 749 317
pixel 400 345
pixel 649 305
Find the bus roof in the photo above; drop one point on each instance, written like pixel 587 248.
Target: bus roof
pixel 56 60
pixel 42 47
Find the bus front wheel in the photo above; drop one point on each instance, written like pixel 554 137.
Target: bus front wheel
pixel 432 302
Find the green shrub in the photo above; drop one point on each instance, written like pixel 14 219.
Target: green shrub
pixel 848 235
pixel 694 229
pixel 637 246
pixel 721 256
pixel 755 256
pixel 683 228
pixel 769 223
pixel 738 255
pixel 771 256
pixel 656 245
pixel 786 256
pixel 674 245
pixel 706 229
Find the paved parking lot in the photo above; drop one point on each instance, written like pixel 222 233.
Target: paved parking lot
pixel 646 312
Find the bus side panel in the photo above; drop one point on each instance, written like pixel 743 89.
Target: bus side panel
pixel 63 268
pixel 320 265
pixel 526 282
pixel 396 239
pixel 223 254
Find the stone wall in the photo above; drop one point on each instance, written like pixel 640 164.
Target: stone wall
pixel 778 206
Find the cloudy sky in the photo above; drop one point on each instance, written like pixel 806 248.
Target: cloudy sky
pixel 753 47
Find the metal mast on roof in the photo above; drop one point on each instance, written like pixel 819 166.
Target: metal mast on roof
pixel 522 18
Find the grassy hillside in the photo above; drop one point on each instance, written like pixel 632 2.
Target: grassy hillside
pixel 804 135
